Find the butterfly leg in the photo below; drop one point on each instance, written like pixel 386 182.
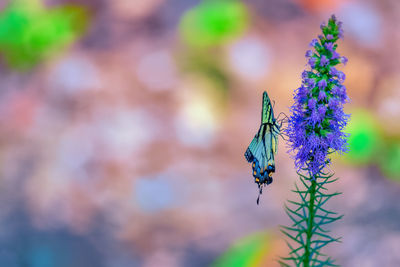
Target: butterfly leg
pixel 284 119
pixel 259 193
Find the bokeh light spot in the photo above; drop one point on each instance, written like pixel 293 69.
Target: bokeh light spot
pixel 247 251
pixel 30 33
pixel 213 22
pixel 365 137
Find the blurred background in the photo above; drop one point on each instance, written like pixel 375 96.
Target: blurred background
pixel 124 125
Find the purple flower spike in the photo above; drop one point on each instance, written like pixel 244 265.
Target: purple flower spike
pixel 322 84
pixel 320 99
pixel 324 61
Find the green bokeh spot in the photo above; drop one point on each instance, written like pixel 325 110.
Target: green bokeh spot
pixel 213 23
pixel 365 137
pixel 30 33
pixel 246 252
pixel 390 161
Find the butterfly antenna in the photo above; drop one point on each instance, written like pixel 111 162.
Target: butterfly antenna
pixel 284 119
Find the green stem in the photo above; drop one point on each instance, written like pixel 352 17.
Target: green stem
pixel 310 223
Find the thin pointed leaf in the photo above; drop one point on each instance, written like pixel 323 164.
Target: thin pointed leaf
pixel 296 203
pixel 294 251
pixel 295 213
pixel 326 236
pixel 292 237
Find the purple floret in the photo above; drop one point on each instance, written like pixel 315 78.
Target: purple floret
pixel 314 42
pixel 324 61
pixel 335 55
pixel 329 46
pixel 312 61
pixel 322 95
pixel 322 84
pixel 310 82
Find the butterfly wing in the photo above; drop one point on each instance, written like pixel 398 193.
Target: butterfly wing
pixel 263 148
pixel 251 150
pixel 274 140
pixel 259 153
pixel 267 114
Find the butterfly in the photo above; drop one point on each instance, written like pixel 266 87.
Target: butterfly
pixel 263 148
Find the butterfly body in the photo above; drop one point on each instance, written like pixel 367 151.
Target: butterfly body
pixel 263 148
